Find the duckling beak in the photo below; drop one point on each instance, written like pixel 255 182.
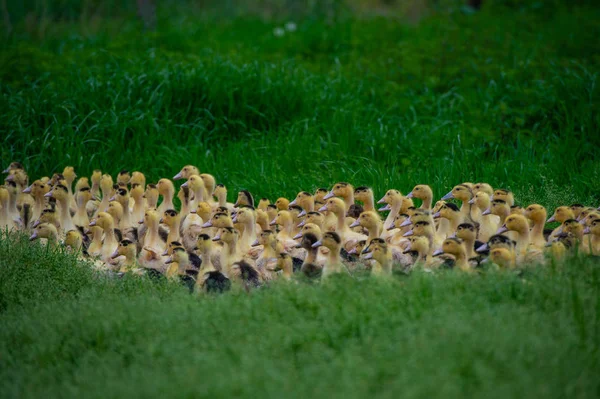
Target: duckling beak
pixel 409 195
pixel 447 196
pixel 438 252
pixel 166 253
pixel 385 208
pixel 352 251
pixel 7 170
pixel 323 208
pixel 216 238
pixel 33 236
pixel 355 223
pixel 93 223
pixel 178 176
pixel 140 222
pixel 408 247
pixel 36 224
pixel 113 198
pixel 170 260
pixel 273 222
pixel 552 219
pixel 299 235
pixel 392 227
pixel 472 201
pixel 161 220
pixel 407 222
pixel 501 230
pixel 207 224
pixel 368 256
pixel 452 236
pixel 382 200
pixel 28 189
pixel 115 254
pixel 48 194
pixel 10 178
pixel 235 219
pixel 317 244
pixel 482 248
pixel 487 212
pixel 587 230
pixel 437 215
pixel 560 229
pixel 194 211
pixel 408 233
pixel 548 244
pixel 329 195
pixel 184 185
pixel 255 244
pixel 302 223
pixel 293 202
pixel 303 213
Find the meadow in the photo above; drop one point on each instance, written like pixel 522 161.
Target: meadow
pixel 507 95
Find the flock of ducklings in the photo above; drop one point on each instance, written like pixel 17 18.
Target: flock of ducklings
pixel 210 244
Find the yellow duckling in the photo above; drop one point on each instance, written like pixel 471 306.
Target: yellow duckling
pixel 47 231
pixel 81 218
pixel 244 199
pixel 166 189
pixel 333 264
pixel 593 247
pixel 424 193
pixel 467 233
pixel 338 208
pixel 420 246
pixel 525 251
pixel 488 223
pixel 561 214
pixel 424 228
pixel 7 218
pixel 110 243
pixel 37 190
pixel 371 222
pixel 383 257
pixel 13 167
pixel 537 214
pixel 220 193
pixel 499 208
pixel 246 218
pixel 153 247
pixel 573 227
pixel 285 265
pixel 282 204
pixel 344 191
pixel 456 248
pixel 263 203
pixel 61 195
pixel 366 196
pixel 453 214
pixel 74 241
pixel 267 258
pixel 562 245
pixel 396 203
pixel 125 257
pixel 463 193
pixel 196 186
pixel 209 278
pixel 186 172
pixel 505 195
pixel 106 186
pixel 151 196
pixel 304 200
pixel 172 219
pixel 483 188
pixel 503 257
pixel 286 223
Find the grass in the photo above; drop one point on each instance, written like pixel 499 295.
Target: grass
pixel 505 95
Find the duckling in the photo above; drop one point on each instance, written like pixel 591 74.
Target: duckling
pixel 21 181
pixel 81 218
pixel 573 227
pixel 497 241
pixel 453 214
pixel 74 241
pixel 229 254
pixel 483 188
pixel 123 178
pixel 47 231
pixel 153 246
pixel 333 242
pixel 267 258
pixel 221 194
pixel 219 220
pixel 519 224
pixel 371 222
pixel 263 203
pixel 348 237
pixel 561 246
pixel 196 186
pixel 244 274
pixel 463 193
pixel 468 233
pixel 425 229
pixel 13 167
pixel 344 191
pixel 285 265
pixel 593 247
pixel 151 196
pixel 304 200
pixel 396 204
pixel 95 247
pixel 505 195
pixel 503 257
pixel 499 208
pixel 297 215
pixel 561 214
pixel 365 195
pixel 262 219
pixel 517 210
pixel 424 193
pixel 110 243
pixel 191 227
pixel 244 198
pixel 209 278
pixel 126 253
pixel 246 217
pixel 106 186
pixel 186 172
pixel 488 223
pixel 420 246
pixel 310 268
pixel 7 219
pixel 61 195
pixel 282 204
pixel 127 222
pixel 139 206
pixel 167 191
pixel 37 190
pixel 285 221
pixel 172 219
pixel 11 202
pixel 456 248
pixel 383 257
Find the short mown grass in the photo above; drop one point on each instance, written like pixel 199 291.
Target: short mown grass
pixel 506 95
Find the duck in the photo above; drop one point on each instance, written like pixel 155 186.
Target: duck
pixel 424 228
pixel 184 196
pixel 186 172
pixel 456 248
pixel 337 207
pixel 69 176
pixel 106 187
pixel 125 257
pixel 284 264
pixel 371 222
pixel 593 247
pixel 282 204
pixel 151 196
pixel 123 178
pixel 573 227
pixel 81 218
pixel 343 190
pixel 524 251
pixel 244 199
pixel 453 214
pixel 419 245
pixel 468 234
pixel 463 193
pixel 424 193
pixel 37 190
pixel 333 265
pixel 561 214
pixel 209 279
pixel 172 219
pixel 311 267
pixel 285 222
pixel 383 258
pixel 60 193
pixel 304 200
pixel 365 195
pixel 139 206
pixel 153 246
pixel 505 195
pixel 191 227
pixel 267 258
pixel 74 241
pixel 220 193
pixel 167 191
pixel 196 186
pixel 296 211
pixel 178 269
pixel 483 188
pixel 47 231
pixel 263 203
pixel 500 208
pixel 20 180
pixel 105 221
pixel 246 217
pixel 229 254
pixel 396 204
pixel 503 257
pixel 127 222
pixel 488 223
pixel 7 218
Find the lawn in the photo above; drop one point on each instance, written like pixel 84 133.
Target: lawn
pixel 507 95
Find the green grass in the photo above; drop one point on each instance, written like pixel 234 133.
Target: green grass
pixel 506 95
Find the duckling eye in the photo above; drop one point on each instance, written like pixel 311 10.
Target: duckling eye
pixel 417 189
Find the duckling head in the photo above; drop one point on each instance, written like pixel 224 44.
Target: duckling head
pixel 313 217
pixel 483 188
pixel 106 184
pixel 282 204
pixel 244 198
pixel 503 257
pixel 577 208
pixel 593 228
pixel 481 200
pixel 37 189
pixel 69 174
pixel 574 227
pixel 19 176
pixel 138 178
pixel 209 183
pixel 127 249
pixel 367 219
pixel 303 200
pixel 363 194
pixel 466 232
pixel 420 228
pixel 320 194
pixel 497 241
pixel 228 235
pixel 245 215
pixel 171 246
pixel 84 195
pixel 330 240
pixel 341 189
pixel 44 230
pixel 170 217
pixel 334 205
pixel 498 207
pixel 284 262
pixel 505 195
pixel 123 178
pixel 308 240
pixel 309 228
pixel 358 247
pixel 283 218
pixel 105 219
pixel 266 238
pixel 219 220
pixel 561 214
pixel 516 223
pixel 271 212
pixel 121 196
pixel 418 244
pixel 448 211
pixel 83 182
pixel 462 192
pixel 13 166
pixel 97 177
pixel 374 242
pixel 48 216
pixel 151 194
pixel 165 187
pixel 420 191
pixel 536 213
pixel 58 192
pixel 389 197
pixel 203 210
pixel 186 172
pixel 401 220
pixel 73 240
pixel 452 246
pixel 194 183
pixel 378 252
pixel 151 218
pixel 179 256
pixel 263 203
pixel 204 243
pixel 517 210
pixel 115 209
